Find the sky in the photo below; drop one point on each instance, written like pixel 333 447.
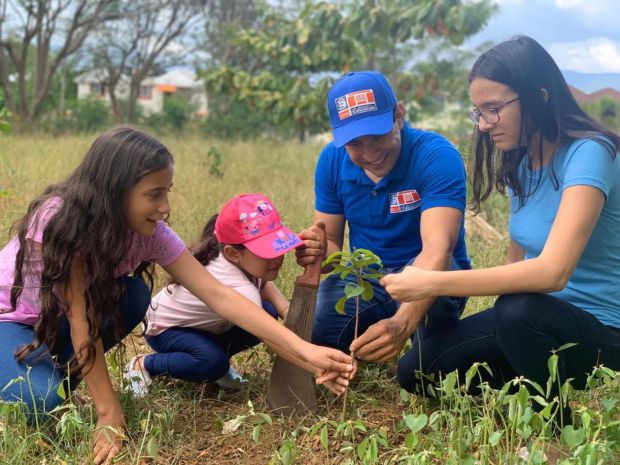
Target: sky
pixel 581 35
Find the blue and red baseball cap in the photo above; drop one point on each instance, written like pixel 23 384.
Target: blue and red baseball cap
pixel 360 104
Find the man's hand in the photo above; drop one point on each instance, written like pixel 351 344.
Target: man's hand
pixel 382 341
pixel 311 251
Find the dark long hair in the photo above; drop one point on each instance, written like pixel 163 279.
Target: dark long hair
pixel 90 224
pixel 208 247
pixel 525 66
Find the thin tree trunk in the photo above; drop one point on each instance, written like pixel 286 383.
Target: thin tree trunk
pixel 117 114
pixel 133 102
pixel 63 91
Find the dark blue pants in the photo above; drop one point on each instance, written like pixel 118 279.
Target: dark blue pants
pixel 40 375
pixel 335 330
pixel 516 337
pixel 195 355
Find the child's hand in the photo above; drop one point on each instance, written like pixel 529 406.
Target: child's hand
pixel 107 442
pixel 335 381
pixel 327 359
pixel 337 385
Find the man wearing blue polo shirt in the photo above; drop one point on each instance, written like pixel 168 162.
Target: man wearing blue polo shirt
pixel 402 193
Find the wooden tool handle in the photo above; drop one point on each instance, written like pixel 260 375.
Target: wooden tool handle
pixel 312 272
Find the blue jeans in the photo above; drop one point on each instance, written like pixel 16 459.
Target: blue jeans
pixel 196 355
pixel 335 330
pixel 41 376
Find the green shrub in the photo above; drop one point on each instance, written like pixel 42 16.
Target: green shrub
pixel 5 123
pixel 235 120
pixel 90 115
pixel 177 112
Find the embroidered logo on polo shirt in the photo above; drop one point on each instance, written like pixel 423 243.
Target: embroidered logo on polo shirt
pixel 355 103
pixel 404 201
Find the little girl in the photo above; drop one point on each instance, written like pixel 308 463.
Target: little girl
pixel 66 296
pixel 243 247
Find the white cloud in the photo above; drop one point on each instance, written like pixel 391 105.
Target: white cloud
pixel 593 11
pixel 510 2
pixel 597 55
pixel 570 3
pixel 588 6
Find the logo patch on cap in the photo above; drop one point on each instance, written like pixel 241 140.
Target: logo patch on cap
pixel 285 241
pixel 355 103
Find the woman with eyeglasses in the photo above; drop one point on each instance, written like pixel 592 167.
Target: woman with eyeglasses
pixel 561 280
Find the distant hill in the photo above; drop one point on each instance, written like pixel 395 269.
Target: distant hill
pixel 607 92
pixel 591 82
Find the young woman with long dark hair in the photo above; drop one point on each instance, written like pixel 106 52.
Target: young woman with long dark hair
pixel 561 280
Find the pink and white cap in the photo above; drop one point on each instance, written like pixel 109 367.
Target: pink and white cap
pixel 252 220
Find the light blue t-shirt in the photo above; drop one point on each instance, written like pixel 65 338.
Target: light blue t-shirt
pixel 595 283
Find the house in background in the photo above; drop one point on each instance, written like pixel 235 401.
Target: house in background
pixel 180 84
pixel 92 84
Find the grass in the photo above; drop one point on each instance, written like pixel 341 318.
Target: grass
pixel 185 423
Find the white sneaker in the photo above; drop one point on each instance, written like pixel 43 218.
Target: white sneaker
pixel 231 380
pixel 525 454
pixel 138 380
pixel 548 453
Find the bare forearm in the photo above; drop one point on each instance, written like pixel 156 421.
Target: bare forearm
pixel 96 372
pixel 96 375
pixel 524 276
pixel 231 305
pixel 412 313
pixel 290 356
pixel 254 320
pixel 272 294
pixel 260 324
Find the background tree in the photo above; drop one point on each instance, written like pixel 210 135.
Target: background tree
pixel 222 19
pixel 142 39
pixel 293 56
pixel 284 54
pixel 230 117
pixel 28 29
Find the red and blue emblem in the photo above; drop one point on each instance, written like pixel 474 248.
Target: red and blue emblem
pixel 355 103
pixel 404 201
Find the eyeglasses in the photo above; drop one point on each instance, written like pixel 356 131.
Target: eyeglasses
pixel 490 115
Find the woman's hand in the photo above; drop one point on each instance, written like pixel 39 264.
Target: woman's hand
pixel 107 440
pixel 326 359
pixel 411 284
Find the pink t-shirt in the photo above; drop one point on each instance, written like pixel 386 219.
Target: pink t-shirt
pixel 177 307
pixel 163 248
